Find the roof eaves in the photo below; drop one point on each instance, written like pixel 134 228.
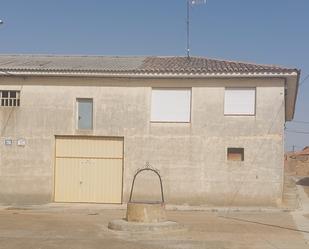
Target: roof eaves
pixel 297 88
pixel 143 73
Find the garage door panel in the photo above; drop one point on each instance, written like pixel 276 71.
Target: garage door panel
pixel 89 147
pixel 89 170
pixel 102 180
pixel 111 183
pixel 67 180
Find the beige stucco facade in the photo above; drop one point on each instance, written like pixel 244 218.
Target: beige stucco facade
pixel 191 156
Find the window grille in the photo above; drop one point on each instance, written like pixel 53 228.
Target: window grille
pixel 9 98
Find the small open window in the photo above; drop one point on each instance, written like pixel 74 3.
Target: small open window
pixel 235 154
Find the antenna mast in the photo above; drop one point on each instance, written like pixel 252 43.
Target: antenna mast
pixel 188 28
pixel 189 3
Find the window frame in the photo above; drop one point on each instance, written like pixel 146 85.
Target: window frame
pixel 77 101
pixel 240 114
pixel 171 89
pixel 9 99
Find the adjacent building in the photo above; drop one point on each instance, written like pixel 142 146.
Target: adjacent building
pixel 76 128
pixel 297 162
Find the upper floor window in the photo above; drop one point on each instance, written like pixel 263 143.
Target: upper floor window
pixel 84 114
pixel 239 101
pixel 171 105
pixel 9 98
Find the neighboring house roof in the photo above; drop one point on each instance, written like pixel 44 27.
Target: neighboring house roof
pixel 134 65
pixel 143 66
pixel 302 155
pixel 304 152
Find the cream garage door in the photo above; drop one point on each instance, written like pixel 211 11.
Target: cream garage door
pixel 88 169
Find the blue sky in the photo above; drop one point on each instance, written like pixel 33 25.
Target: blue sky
pixel 264 31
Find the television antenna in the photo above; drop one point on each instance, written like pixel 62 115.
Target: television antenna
pixel 189 4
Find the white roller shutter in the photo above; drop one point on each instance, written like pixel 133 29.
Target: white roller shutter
pixel 170 105
pixel 239 101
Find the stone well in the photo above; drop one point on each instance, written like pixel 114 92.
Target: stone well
pixel 145 215
pixel 146 212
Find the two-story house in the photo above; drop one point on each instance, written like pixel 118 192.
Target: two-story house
pixel 76 128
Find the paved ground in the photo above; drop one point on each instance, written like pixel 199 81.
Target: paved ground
pixel 83 229
pixel 77 226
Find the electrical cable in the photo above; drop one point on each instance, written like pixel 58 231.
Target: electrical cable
pixel 226 214
pixel 300 122
pixel 299 132
pixel 229 204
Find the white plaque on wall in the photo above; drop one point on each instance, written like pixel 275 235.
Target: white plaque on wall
pixel 8 141
pixel 21 142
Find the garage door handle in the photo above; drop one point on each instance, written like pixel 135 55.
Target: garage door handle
pixel 80 182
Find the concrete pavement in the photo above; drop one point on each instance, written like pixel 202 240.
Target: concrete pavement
pixel 84 228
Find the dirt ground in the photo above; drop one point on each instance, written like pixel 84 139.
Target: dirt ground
pixel 307 190
pixel 83 229
pixel 304 182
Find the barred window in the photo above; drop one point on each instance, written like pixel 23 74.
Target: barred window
pixel 9 98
